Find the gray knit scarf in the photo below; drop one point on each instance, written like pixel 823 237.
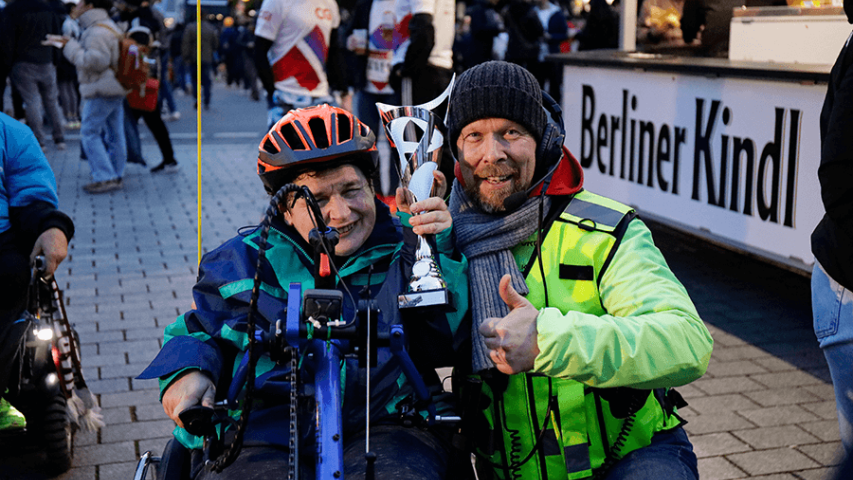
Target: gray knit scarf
pixel 486 241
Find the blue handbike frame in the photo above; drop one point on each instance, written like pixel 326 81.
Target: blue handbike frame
pixel 326 358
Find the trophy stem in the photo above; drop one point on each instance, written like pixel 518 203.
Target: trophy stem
pixel 424 250
pixel 425 272
pixel 427 287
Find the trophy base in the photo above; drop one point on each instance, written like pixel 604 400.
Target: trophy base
pixel 422 299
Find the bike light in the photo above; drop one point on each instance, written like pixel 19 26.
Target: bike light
pixel 51 379
pixel 45 334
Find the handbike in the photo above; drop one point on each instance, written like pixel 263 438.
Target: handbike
pixel 308 337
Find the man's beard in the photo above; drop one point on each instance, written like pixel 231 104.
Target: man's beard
pixel 491 205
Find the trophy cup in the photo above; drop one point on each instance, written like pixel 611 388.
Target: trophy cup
pixel 420 154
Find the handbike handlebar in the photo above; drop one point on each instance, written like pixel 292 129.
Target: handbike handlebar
pixel 198 421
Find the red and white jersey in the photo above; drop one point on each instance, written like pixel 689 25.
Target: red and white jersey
pixel 382 38
pixel 300 31
pixel 443 19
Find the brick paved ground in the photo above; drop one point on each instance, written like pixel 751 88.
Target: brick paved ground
pixel 764 410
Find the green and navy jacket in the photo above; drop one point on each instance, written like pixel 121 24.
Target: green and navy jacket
pixel 212 337
pixel 617 332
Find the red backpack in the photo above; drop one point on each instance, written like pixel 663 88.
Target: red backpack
pixel 132 69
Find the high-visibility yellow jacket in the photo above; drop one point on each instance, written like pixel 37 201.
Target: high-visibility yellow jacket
pixel 616 316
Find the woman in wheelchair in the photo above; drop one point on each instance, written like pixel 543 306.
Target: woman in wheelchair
pixel 333 154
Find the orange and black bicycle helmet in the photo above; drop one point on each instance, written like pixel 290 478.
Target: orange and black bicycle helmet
pixel 312 137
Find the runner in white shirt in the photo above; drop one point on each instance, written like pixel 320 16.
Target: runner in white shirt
pixel 292 53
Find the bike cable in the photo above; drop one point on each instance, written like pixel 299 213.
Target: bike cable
pixel 636 403
pixel 516 465
pixel 228 457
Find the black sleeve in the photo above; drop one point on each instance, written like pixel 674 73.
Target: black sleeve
pixel 422 39
pixel 692 19
pixel 361 14
pixel 152 22
pixel 485 22
pixel 262 63
pixel 56 29
pixel 336 63
pixel 836 160
pixel 558 28
pixel 527 21
pixel 33 219
pixel 7 43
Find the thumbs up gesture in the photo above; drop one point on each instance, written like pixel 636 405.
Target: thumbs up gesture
pixel 512 340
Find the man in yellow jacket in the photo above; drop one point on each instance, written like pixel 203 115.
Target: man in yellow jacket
pixel 580 329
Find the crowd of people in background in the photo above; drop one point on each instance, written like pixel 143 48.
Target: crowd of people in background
pixel 390 51
pixel 519 31
pixel 523 31
pixel 46 85
pixel 373 46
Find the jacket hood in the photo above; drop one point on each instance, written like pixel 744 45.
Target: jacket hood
pixel 567 178
pixel 92 16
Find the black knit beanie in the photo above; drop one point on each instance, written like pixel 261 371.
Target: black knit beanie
pixel 496 89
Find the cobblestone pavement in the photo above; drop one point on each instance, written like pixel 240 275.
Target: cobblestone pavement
pixel 765 409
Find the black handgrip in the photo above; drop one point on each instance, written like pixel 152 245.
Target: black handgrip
pixel 198 421
pixel 40 264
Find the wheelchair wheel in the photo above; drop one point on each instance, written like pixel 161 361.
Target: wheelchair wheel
pixel 56 435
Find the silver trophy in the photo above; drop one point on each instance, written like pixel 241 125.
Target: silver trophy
pixel 415 131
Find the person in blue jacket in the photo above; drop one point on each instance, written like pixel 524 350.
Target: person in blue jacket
pixel 30 225
pixel 332 153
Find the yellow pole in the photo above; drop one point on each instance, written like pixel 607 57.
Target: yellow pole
pixel 198 118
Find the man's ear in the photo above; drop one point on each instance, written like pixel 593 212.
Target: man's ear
pixel 457 172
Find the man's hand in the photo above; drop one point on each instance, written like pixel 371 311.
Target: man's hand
pixel 429 215
pixel 439 189
pixel 54 246
pixel 190 389
pixel 512 340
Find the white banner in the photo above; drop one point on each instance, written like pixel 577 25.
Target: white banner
pixel 733 158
